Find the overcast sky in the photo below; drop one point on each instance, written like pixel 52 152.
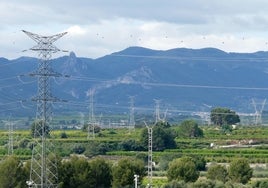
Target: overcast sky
pixel 100 27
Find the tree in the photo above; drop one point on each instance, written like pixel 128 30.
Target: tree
pixel 206 183
pixel 183 169
pixel 217 172
pixel 163 137
pixel 75 173
pixel 63 135
pixel 260 184
pixel 221 116
pixel 78 149
pixel 240 171
pixel 123 173
pixel 12 173
pixel 97 128
pixel 165 159
pixel 189 129
pixel 38 129
pixel 101 173
pixel 130 145
pixel 200 162
pixel 175 184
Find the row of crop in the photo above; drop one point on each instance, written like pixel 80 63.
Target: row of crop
pixel 210 157
pixel 224 151
pixel 229 159
pixel 221 151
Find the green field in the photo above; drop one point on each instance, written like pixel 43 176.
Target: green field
pixel 243 142
pixel 249 142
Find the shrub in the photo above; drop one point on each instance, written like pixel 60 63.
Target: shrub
pixel 63 135
pixel 183 169
pixel 217 172
pixel 240 171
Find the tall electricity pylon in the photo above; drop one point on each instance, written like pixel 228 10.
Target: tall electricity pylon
pixel 258 111
pixel 91 118
pixel 157 112
pixel 150 155
pixel 43 173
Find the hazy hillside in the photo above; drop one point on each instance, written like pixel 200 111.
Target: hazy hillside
pixel 183 79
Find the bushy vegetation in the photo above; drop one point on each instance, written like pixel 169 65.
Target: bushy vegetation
pixel 188 140
pixel 189 129
pixel 183 169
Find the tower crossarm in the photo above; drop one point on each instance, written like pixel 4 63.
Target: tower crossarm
pixel 44 43
pixel 45 39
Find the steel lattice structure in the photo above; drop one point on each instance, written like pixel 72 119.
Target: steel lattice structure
pixel 91 116
pixel 43 166
pixel 150 155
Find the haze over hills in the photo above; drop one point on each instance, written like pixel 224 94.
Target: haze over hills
pixel 183 79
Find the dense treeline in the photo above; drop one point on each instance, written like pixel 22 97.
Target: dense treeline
pixel 76 172
pixel 98 172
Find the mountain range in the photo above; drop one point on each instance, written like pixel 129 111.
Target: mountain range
pixel 183 80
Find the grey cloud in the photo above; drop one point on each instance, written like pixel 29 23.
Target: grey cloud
pixel 179 19
pixel 86 12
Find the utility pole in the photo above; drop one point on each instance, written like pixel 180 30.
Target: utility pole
pixel 136 179
pixel 43 172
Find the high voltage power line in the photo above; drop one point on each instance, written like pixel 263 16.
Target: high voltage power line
pixel 157 84
pixel 173 84
pixel 225 59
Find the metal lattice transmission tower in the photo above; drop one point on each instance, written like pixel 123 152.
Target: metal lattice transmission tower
pixel 91 118
pixel 150 155
pixel 157 112
pixel 258 111
pixel 43 173
pixel 131 121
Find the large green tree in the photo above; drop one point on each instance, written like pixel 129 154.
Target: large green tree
pixel 240 171
pixel 183 169
pixel 163 137
pixel 217 172
pixel 12 173
pixel 222 116
pixel 123 173
pixel 101 173
pixel 75 172
pixel 189 129
pixel 39 128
